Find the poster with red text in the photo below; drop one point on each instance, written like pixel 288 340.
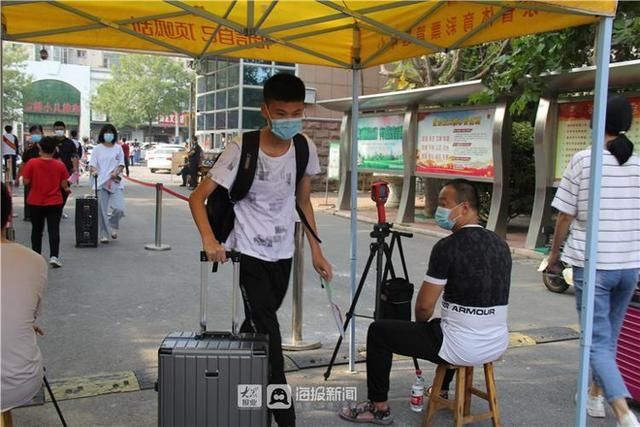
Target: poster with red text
pixel 574 130
pixel 456 143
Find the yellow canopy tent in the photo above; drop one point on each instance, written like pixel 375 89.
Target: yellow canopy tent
pixel 347 34
pixel 310 32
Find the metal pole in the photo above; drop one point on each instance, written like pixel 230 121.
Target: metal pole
pixel 190 113
pixel 297 343
pixel 355 107
pixel 603 50
pixel 158 246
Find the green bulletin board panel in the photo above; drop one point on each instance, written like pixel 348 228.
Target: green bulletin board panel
pixel 380 143
pixel 574 131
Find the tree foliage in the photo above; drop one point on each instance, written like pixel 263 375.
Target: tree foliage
pixel 143 87
pixel 14 80
pixel 503 65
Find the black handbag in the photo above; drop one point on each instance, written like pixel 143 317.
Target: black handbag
pixel 395 292
pixel 395 299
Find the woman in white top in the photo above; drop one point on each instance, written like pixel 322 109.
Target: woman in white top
pixel 618 261
pixel 107 163
pixel 24 277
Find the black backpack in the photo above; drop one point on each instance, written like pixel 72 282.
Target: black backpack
pixel 220 202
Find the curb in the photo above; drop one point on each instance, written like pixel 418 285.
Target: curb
pixel 145 379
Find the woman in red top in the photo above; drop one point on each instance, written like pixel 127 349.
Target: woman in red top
pixel 46 176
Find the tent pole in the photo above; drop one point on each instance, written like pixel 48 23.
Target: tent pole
pixel 603 50
pixel 355 107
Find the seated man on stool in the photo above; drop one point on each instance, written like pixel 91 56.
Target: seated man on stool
pixel 473 268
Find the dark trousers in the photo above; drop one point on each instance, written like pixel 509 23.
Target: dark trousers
pixel 193 171
pixel 266 284
pixel 126 165
pixel 414 339
pixel 14 167
pixel 52 215
pixel 27 212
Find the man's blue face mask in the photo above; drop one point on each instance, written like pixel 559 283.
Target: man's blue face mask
pixel 442 217
pixel 285 129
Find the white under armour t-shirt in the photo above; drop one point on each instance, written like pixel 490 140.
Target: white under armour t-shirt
pixel 265 218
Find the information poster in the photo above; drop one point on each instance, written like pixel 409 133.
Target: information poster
pixel 574 130
pixel 333 170
pixel 380 143
pixel 456 143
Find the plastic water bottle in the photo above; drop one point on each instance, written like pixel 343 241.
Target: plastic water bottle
pixel 417 393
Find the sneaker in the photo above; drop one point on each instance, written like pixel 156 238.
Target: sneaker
pixel 365 412
pixel 104 240
pixel 65 216
pixel 629 420
pixel 595 406
pixel 55 262
pixel 114 235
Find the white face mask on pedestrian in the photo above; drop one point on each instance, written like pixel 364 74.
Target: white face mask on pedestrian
pixel 59 133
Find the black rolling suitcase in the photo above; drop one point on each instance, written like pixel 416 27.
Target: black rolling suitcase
pixel 213 378
pixel 87 219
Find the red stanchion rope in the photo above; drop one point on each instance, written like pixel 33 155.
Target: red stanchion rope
pixel 165 189
pixel 173 193
pixel 146 184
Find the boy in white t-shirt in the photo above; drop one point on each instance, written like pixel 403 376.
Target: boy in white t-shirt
pixel 265 217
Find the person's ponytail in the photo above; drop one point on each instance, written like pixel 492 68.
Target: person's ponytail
pixel 617 123
pixel 621 148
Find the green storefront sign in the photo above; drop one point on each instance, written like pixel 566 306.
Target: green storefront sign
pixel 47 101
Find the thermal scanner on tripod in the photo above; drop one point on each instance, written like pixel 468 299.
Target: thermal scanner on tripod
pixel 380 194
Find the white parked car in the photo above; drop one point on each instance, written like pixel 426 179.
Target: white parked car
pixel 161 157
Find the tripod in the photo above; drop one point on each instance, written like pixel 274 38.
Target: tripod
pixel 380 250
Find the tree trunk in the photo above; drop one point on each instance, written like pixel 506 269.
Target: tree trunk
pixel 432 188
pixel 150 129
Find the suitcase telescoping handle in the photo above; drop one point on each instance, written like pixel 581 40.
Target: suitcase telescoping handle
pixel 235 298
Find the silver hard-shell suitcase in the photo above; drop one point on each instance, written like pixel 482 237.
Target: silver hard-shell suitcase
pixel 213 378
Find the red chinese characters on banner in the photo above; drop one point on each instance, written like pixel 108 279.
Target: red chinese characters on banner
pixel 487 14
pixel 451 25
pixel 170 120
pixel 467 24
pixel 507 16
pixel 49 108
pixel 229 37
pixel 172 30
pixel 436 30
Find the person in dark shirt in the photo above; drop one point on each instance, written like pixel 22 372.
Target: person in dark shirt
pixel 472 267
pixel 31 151
pixel 126 150
pixel 67 152
pixel 195 155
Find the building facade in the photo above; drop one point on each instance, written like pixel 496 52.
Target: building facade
pixel 229 97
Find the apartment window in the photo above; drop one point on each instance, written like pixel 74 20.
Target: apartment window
pixel 81 53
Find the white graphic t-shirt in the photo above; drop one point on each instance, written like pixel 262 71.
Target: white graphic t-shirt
pixel 265 218
pixel 106 160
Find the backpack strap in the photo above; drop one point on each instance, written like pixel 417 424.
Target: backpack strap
pixel 247 167
pixel 302 160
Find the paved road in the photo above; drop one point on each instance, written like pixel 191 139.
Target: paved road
pixel 108 308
